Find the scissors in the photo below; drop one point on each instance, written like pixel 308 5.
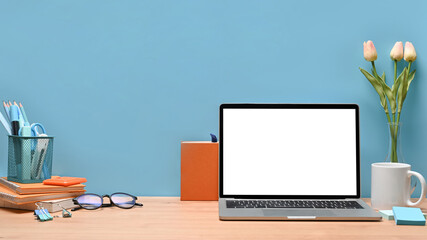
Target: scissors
pixel 40 146
pixel 35 127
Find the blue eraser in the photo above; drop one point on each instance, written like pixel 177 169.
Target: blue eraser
pixel 408 216
pixel 25 131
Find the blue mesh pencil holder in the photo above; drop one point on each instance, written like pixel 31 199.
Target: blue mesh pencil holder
pixel 29 159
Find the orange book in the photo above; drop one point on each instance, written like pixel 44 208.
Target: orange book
pixel 34 188
pixel 199 171
pixel 10 196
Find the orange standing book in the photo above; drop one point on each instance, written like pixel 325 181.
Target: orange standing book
pixel 199 170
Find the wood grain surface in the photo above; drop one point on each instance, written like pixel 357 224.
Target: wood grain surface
pixel 170 218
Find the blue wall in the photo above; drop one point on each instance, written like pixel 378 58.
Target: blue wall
pixel 121 83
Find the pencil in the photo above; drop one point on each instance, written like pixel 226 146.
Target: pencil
pixel 24 115
pixel 6 109
pixel 5 124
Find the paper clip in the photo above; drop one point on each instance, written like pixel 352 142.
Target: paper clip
pixel 42 213
pixel 65 212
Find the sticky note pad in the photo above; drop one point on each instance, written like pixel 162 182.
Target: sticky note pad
pixel 408 216
pixel 387 214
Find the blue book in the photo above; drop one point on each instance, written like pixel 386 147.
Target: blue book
pixel 408 216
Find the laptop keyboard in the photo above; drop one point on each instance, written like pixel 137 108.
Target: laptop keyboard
pixel 329 204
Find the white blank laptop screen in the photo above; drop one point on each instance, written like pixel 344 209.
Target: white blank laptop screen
pixel 289 152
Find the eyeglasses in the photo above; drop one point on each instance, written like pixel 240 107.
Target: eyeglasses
pixel 91 201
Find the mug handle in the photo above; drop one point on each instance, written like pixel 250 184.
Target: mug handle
pixel 423 189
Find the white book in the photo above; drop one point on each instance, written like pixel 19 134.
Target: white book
pixel 50 205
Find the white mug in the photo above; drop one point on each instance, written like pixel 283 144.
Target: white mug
pixel 391 186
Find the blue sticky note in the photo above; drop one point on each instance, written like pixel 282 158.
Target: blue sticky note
pixel 408 216
pixel 387 214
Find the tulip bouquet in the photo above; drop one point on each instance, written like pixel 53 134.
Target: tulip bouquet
pixel 395 95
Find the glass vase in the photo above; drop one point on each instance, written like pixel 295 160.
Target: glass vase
pixel 395 154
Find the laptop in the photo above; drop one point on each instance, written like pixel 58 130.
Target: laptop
pixel 290 162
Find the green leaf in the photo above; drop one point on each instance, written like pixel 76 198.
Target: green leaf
pixel 410 78
pixel 403 90
pixel 388 93
pixel 378 87
pixel 396 84
pixel 373 81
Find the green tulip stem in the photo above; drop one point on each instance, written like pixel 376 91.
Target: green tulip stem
pixel 396 127
pixel 394 118
pixel 394 137
pixel 376 76
pixel 395 71
pixel 398 114
pixel 375 70
pixel 394 81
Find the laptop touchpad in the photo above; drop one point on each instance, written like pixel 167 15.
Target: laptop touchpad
pixel 296 212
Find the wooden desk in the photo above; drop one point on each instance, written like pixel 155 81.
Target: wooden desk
pixel 169 218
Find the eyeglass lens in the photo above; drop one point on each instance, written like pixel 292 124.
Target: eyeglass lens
pixel 123 200
pixel 89 201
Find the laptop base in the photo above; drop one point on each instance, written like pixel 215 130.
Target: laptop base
pixel 298 214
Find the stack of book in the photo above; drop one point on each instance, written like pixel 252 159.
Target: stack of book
pixel 25 195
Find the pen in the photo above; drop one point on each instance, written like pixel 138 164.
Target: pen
pixel 14 117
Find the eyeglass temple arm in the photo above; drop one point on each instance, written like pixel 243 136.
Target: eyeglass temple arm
pixel 106 205
pixel 103 205
pixel 136 204
pixel 76 208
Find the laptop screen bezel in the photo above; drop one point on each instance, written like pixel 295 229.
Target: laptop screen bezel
pixel 286 106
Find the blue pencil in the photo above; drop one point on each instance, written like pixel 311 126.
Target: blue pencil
pixel 20 116
pixel 26 122
pixel 6 109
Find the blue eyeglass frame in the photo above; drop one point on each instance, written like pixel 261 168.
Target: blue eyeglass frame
pixel 75 201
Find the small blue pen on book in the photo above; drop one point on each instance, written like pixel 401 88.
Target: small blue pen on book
pixel 213 138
